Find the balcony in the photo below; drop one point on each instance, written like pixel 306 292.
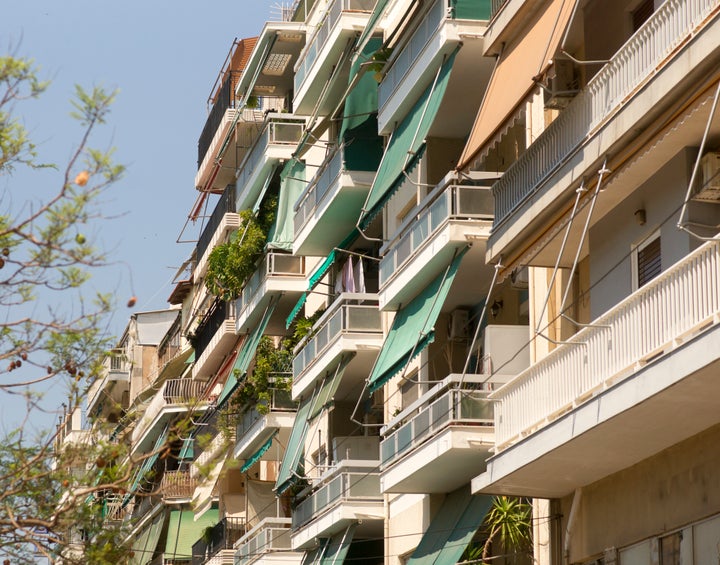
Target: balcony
pixel 277 142
pixel 324 50
pixel 347 493
pixel 214 339
pixel 329 205
pixel 177 486
pixel 174 397
pixel 427 241
pixel 640 379
pixel 222 221
pixel 438 443
pixel 217 543
pixel 280 276
pixel 668 54
pixel 107 394
pixel 272 535
pixel 352 324
pixel 412 69
pixel 255 428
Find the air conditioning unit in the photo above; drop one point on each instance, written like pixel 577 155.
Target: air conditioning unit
pixel 708 189
pixel 459 324
pixel 519 278
pixel 562 84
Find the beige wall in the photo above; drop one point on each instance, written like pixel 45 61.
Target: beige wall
pixel 677 487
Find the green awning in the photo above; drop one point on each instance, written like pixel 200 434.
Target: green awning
pixel 184 531
pixel 413 327
pixel 319 272
pixel 146 543
pixel 372 21
pixel 452 528
pixel 147 464
pixel 314 556
pixel 329 388
pixel 255 457
pixel 187 451
pixel 245 356
pixel 261 195
pixel 295 446
pixel 292 183
pixel 471 9
pixel 405 143
pixel 190 359
pixel 337 547
pixel 363 147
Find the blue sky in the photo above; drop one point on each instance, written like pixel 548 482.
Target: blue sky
pixel 163 57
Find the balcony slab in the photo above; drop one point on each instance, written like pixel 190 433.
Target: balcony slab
pixel 667 401
pixel 369 515
pixel 261 431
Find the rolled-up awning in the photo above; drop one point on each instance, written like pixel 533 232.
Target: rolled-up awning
pixel 143 547
pixel 529 55
pixel 255 457
pixel 452 528
pixel 295 447
pixel 413 327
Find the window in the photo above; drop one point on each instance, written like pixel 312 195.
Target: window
pixel 670 549
pixel 647 263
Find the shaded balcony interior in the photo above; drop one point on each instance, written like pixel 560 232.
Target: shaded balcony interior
pixel 109 396
pixel 214 337
pixel 612 387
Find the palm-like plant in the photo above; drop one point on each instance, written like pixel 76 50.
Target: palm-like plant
pixel 510 519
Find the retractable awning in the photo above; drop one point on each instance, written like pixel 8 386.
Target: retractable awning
pixel 292 183
pixel 255 457
pixel 295 447
pixel 452 528
pixel 147 464
pixel 406 143
pixel 184 531
pixel 528 56
pixel 413 327
pixel 144 546
pixel 245 356
pixel 329 387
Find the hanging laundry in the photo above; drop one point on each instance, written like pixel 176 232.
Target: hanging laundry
pixel 348 276
pixel 360 277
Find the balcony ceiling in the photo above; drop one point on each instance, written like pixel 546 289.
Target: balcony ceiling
pixel 668 401
pixel 276 76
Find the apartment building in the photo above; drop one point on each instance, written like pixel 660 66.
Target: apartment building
pixel 490 267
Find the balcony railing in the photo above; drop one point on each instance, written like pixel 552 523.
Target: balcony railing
pixel 174 392
pixel 225 99
pixel 319 39
pixel 219 313
pixel 456 401
pixel 280 401
pixel 222 535
pixel 361 485
pixel 325 178
pixel 177 485
pixel 641 327
pixel 644 54
pixel 220 442
pixel 272 534
pixel 113 509
pixel 454 203
pixel 351 314
pixel 272 265
pixel 225 205
pixel 279 129
pixel 496 6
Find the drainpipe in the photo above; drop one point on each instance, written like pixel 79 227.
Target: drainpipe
pixel 570 523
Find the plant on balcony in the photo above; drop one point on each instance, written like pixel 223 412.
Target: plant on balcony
pixel 231 264
pixel 510 519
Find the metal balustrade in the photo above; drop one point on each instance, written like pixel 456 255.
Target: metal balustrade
pixel 496 6
pixel 177 485
pixel 279 129
pixel 272 534
pixel 310 200
pixel 315 44
pixel 343 487
pixel 456 402
pixel 641 327
pixel 643 55
pixel 348 315
pixel 219 313
pixel 222 535
pixel 280 401
pixel 271 265
pixel 454 203
pixel 225 99
pixel 225 205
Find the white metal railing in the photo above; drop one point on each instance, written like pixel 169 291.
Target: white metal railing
pixel 315 44
pixel 272 534
pixel 343 486
pixel 354 314
pixel 177 485
pixel 279 129
pixel 453 203
pixel 318 187
pixel 643 55
pixel 456 401
pixel 280 401
pixel 173 392
pixel 272 265
pixel 677 302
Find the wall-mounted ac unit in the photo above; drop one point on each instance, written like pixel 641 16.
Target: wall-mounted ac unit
pixel 708 188
pixel 459 324
pixel 562 84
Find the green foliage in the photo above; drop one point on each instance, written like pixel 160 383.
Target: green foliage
pixel 231 264
pixel 510 519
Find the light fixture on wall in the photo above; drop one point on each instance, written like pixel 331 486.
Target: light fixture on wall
pixel 640 216
pixel 496 308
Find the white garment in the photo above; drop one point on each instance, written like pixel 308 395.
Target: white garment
pixel 360 277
